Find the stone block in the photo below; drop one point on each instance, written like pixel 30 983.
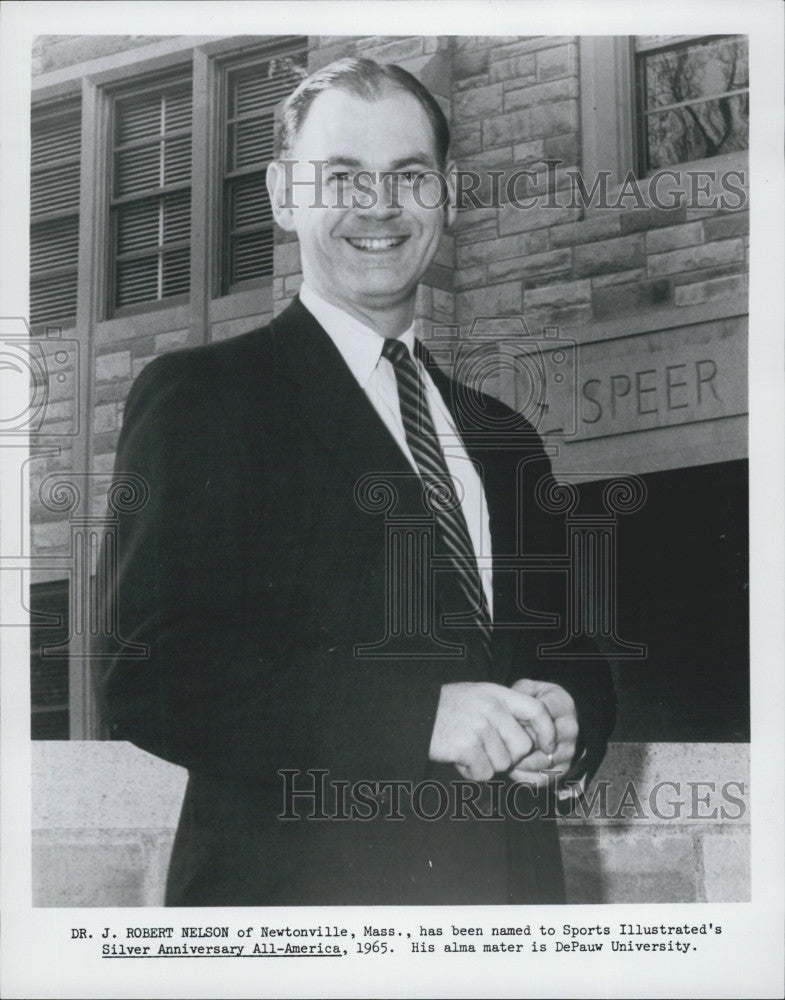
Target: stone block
pixel 525 152
pixel 721 227
pixel 715 288
pixel 477 103
pixel 635 220
pixel 624 866
pixel 393 51
pixel 567 318
pixel 70 872
pixel 515 67
pixel 110 392
pixel 633 297
pixel 445 255
pixel 691 258
pixel 553 265
pixel 475 223
pixel 292 284
pixel 533 43
pixel 171 340
pixel 553 119
pixel 112 366
pixel 139 364
pixel 470 82
pixel 105 418
pixel 540 93
pixel 726 866
pixel 286 258
pixel 317 58
pixel 518 220
pixel 50 536
pixel 495 300
pixel 597 227
pixel 142 347
pixel 559 295
pixel 470 277
pixel 563 147
pixel 487 251
pixel 556 62
pixel 501 129
pixel 468 63
pixel 609 255
pixel 618 278
pixel 127 790
pixel 674 237
pixel 443 302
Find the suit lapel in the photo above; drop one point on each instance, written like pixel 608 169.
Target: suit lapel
pixel 344 423
pixel 352 439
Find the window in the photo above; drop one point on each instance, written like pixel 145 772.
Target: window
pixel 253 91
pixel 49 634
pixel 151 195
pixel 693 98
pixel 55 143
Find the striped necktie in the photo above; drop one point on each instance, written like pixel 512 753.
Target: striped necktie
pixel 427 453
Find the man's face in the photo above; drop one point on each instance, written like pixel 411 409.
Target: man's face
pixel 364 257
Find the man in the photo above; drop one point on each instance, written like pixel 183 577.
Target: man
pixel 258 574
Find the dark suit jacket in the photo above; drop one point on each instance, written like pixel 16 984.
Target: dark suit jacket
pixel 253 571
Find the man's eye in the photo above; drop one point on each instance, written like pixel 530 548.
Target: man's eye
pixel 339 176
pixel 407 176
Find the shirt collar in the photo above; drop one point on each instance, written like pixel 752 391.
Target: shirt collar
pixel 359 345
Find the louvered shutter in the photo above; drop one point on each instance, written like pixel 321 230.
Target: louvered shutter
pixel 49 673
pixel 151 195
pixel 253 94
pixel 55 143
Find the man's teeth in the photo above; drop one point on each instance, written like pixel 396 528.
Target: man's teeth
pixel 386 243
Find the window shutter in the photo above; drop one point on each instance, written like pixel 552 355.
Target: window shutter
pixel 55 143
pixel 151 195
pixel 49 673
pixel 253 93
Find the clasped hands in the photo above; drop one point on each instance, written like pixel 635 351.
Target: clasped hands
pixel 527 731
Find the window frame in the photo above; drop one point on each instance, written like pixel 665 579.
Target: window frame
pixel 172 78
pixel 640 51
pixel 610 125
pixel 287 47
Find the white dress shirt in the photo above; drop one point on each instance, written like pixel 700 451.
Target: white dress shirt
pixel 361 348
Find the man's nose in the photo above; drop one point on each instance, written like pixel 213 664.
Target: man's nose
pixel 385 203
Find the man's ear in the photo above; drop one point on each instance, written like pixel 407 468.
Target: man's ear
pixel 280 196
pixel 450 209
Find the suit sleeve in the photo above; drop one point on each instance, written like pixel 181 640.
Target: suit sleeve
pixel 221 689
pixel 586 677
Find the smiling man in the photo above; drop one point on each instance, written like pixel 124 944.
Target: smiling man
pixel 353 733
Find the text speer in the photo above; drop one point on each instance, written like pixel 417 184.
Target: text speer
pixel 625 395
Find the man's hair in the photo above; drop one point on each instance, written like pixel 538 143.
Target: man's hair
pixel 366 79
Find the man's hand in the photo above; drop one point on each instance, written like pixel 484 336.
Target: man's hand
pixel 530 769
pixel 484 729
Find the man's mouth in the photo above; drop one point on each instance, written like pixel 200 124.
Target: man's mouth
pixel 375 244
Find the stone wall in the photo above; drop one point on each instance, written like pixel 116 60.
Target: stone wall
pixel 647 293
pixel 104 817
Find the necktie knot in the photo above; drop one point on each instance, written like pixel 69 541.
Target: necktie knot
pixel 395 351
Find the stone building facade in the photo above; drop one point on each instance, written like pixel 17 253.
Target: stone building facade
pixel 607 208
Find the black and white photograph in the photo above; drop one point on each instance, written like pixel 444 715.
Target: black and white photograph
pixel 392 485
